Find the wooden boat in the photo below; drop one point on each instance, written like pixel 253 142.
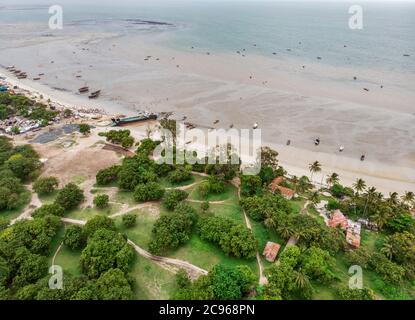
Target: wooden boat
pixel 94 94
pixel 3 89
pixel 83 89
pixel 130 120
pixel 36 79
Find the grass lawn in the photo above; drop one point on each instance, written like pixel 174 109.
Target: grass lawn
pixel 205 255
pixel 152 282
pixel 24 200
pixel 141 232
pixel 232 211
pixel 66 258
pixel 229 195
pixel 297 205
pixel 88 213
pixel 165 183
pixel 48 198
pixel 125 197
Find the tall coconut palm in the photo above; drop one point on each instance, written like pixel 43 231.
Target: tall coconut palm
pixel 301 280
pixel 332 179
pixel 393 198
pixel 285 231
pixel 381 218
pixel 314 197
pixel 303 184
pixel 314 168
pixel 408 197
pixel 294 181
pixel 359 185
pixel 387 248
pixel 370 194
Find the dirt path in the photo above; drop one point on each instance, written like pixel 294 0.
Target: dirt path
pixel 193 271
pixel 202 201
pixel 56 253
pixel 34 204
pixel 172 265
pixel 87 186
pixel 189 186
pixel 129 209
pixel 262 279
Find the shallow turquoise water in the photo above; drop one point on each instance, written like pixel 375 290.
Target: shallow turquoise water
pixel 308 30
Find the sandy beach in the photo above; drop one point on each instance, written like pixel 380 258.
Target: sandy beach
pixel 288 102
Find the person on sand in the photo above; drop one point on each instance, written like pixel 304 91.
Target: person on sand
pixel 363 157
pixel 317 141
pixel 341 148
pixel 288 142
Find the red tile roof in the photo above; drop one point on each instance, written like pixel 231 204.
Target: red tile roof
pixel 286 192
pixel 271 250
pixel 338 219
pixel 276 182
pixel 353 238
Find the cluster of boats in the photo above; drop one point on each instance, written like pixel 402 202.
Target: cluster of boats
pixel 92 95
pixel 18 73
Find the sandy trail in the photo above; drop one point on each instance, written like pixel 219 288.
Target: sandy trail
pixel 170 264
pixel 34 204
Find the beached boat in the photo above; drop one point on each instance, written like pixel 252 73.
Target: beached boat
pixel 94 94
pixel 131 120
pixel 83 89
pixel 3 89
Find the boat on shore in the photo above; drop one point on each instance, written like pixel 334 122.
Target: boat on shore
pixel 94 94
pixel 83 89
pixel 143 116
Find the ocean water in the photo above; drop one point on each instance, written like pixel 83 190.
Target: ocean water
pixel 302 30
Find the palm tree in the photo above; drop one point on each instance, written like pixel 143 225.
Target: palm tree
pixel 381 218
pixel 269 221
pixel 359 185
pixel 332 179
pixel 393 198
pixel 370 194
pixel 408 197
pixel 294 181
pixel 285 231
pixel 303 184
pixel 301 280
pixel 314 197
pixel 314 168
pixel 387 248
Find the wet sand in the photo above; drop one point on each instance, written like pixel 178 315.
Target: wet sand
pixel 286 100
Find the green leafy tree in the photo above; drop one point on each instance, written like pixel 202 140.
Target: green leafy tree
pixel 45 185
pixel 69 196
pixel 101 201
pixel 173 197
pixel 85 129
pixel 74 237
pixel 129 220
pixel 107 175
pixel 150 191
pixel 113 285
pixel 96 223
pixel 106 249
pixel 52 209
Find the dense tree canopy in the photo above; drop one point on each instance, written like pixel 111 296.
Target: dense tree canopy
pixel 233 238
pixel 106 249
pixel 70 196
pixel 45 185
